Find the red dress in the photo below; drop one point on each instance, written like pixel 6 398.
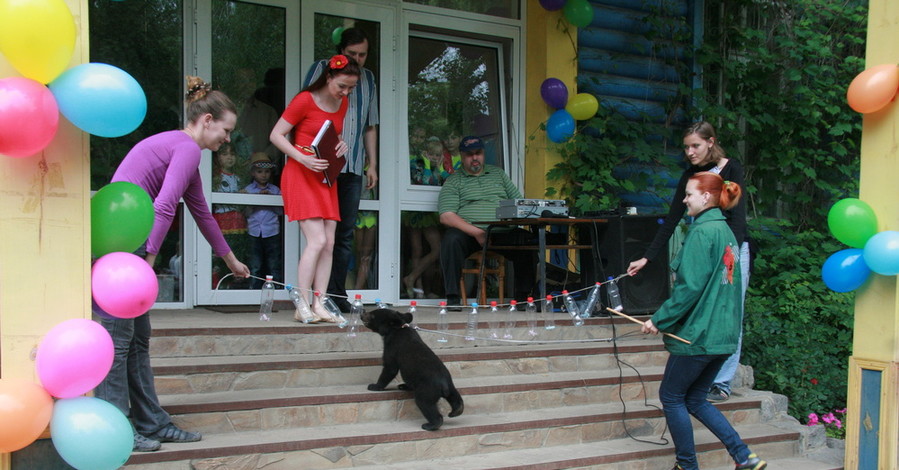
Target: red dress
pixel 305 194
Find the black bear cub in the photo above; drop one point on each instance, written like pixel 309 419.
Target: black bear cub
pixel 423 372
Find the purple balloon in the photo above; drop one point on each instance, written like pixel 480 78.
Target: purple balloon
pixel 552 5
pixel 554 93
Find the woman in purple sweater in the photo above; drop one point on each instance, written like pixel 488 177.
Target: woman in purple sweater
pixel 166 165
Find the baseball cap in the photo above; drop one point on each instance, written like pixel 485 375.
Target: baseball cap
pixel 470 143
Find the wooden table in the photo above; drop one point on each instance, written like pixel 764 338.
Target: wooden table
pixel 540 225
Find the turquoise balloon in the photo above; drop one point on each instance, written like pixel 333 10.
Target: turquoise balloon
pixel 90 433
pixel 852 221
pixel 121 218
pixel 882 253
pixel 845 270
pixel 560 126
pixel 578 12
pixel 100 99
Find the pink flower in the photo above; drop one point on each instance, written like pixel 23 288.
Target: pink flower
pixel 828 418
pixel 842 412
pixel 838 423
pixel 812 419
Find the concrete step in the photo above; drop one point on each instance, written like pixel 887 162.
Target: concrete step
pixel 482 442
pixel 242 372
pixel 285 336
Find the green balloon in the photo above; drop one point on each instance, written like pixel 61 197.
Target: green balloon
pixel 578 12
pixel 337 35
pixel 121 218
pixel 852 221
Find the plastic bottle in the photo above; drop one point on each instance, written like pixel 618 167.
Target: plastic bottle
pixel 442 323
pixel 412 308
pixel 493 320
pixel 510 319
pixel 356 310
pixel 267 300
pixel 531 310
pixel 548 321
pixel 573 311
pixel 380 303
pixel 471 330
pixel 332 308
pixel 299 302
pixel 614 295
pixel 591 301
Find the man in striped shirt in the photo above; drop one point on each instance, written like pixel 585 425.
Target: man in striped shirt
pixel 472 195
pixel 360 132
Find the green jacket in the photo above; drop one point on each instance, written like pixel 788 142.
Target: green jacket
pixel 704 307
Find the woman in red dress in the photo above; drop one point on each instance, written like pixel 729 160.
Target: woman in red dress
pixel 307 198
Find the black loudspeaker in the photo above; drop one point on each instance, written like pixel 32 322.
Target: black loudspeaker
pixel 624 239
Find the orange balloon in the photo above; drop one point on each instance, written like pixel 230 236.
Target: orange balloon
pixel 25 411
pixel 874 88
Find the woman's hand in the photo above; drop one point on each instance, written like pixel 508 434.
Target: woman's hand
pixel 309 161
pixel 648 327
pixel 636 266
pixel 239 269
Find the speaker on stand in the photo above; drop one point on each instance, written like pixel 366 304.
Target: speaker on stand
pixel 625 239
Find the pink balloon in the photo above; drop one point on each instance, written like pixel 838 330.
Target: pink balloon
pixel 123 285
pixel 74 357
pixel 29 117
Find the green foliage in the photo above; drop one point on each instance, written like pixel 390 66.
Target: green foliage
pixel 589 174
pixel 774 80
pixel 797 332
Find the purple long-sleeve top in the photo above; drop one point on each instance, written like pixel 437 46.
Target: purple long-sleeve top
pixel 167 166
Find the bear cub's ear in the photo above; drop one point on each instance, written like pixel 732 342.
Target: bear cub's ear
pixel 407 317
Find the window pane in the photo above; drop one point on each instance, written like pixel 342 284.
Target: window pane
pixel 363 272
pixel 248 65
pixel 502 8
pixel 144 39
pixel 453 91
pixel 122 34
pixel 420 242
pixel 256 236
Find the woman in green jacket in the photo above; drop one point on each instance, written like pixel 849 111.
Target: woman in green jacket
pixel 704 308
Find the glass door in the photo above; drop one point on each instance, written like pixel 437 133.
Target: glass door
pixel 245 48
pixel 371 269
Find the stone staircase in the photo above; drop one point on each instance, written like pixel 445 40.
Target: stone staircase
pixel 281 395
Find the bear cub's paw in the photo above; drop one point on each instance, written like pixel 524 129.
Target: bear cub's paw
pixel 375 387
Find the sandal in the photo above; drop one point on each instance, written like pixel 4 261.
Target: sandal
pixel 322 316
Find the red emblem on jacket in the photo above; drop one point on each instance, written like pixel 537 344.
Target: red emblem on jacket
pixel 728 260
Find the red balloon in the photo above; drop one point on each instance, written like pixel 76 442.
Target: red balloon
pixel 874 88
pixel 29 117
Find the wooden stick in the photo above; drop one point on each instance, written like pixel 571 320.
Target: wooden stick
pixel 616 312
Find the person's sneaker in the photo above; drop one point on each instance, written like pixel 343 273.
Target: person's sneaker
pixel 172 433
pixel 677 467
pixel 453 303
pixel 752 463
pixel 716 395
pixel 145 444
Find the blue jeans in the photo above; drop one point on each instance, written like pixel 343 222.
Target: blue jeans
pixel 683 393
pixel 729 369
pixel 129 385
pixel 349 190
pixel 265 258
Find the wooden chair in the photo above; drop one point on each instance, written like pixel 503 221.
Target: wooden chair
pixel 495 264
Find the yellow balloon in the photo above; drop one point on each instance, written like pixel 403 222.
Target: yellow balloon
pixel 583 106
pixel 37 37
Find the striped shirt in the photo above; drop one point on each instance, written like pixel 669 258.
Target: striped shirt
pixel 476 197
pixel 361 114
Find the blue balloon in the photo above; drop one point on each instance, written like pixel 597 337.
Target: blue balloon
pixel 560 126
pixel 845 270
pixel 90 433
pixel 100 99
pixel 882 253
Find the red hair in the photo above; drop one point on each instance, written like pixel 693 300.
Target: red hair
pixel 725 194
